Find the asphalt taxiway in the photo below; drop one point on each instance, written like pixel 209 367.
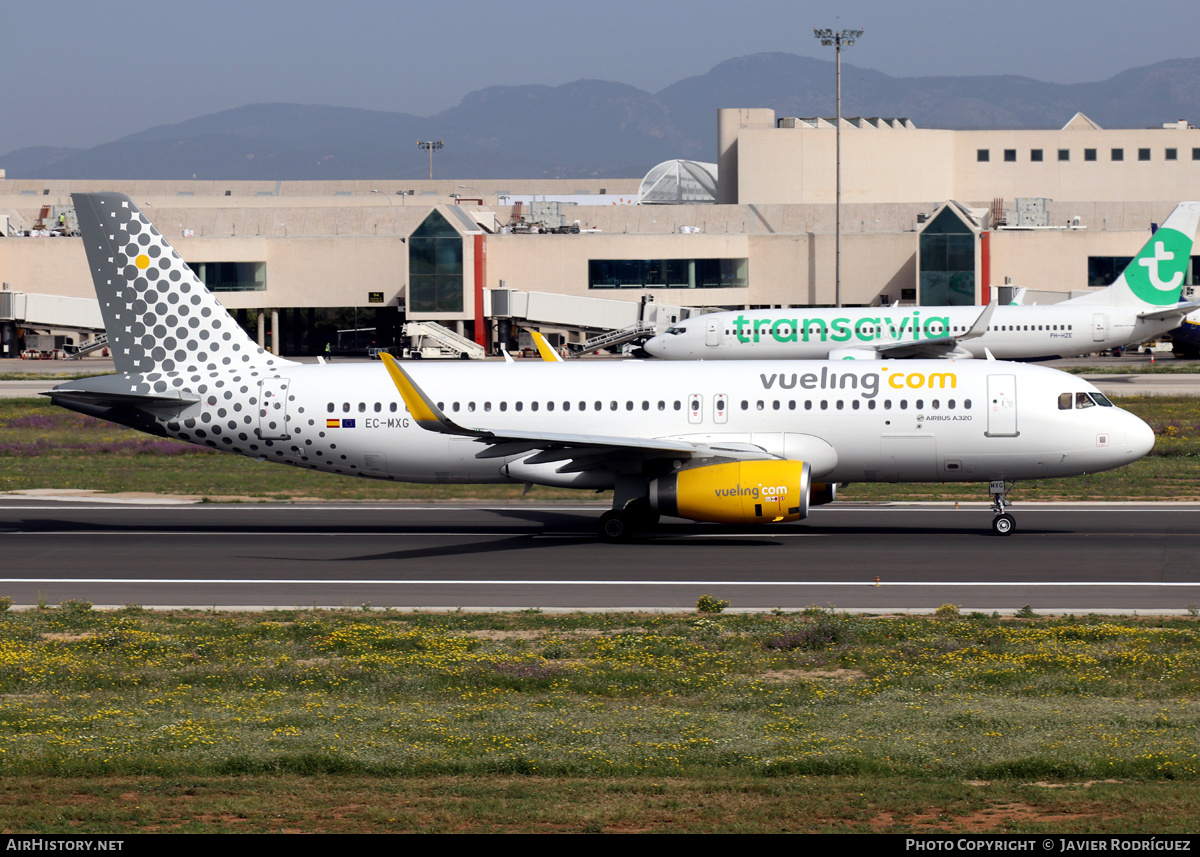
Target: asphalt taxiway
pixel 1068 557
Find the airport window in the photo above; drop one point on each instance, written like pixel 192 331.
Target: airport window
pixel 1089 154
pixel 1035 154
pixel 1010 155
pixel 668 273
pixel 1170 154
pixel 947 262
pixel 1118 154
pixel 231 276
pixel 1143 154
pixel 1104 270
pixel 435 266
pixel 983 155
pixel 1196 154
pixel 1064 154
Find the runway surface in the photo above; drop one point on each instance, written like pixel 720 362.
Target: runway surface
pixel 1063 558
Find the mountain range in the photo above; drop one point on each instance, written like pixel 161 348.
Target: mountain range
pixel 594 129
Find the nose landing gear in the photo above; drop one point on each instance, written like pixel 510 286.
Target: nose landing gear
pixel 1004 523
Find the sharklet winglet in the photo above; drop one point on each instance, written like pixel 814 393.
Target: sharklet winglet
pixel 427 415
pixel 544 348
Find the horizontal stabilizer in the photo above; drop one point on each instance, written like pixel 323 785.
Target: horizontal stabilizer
pixel 1178 309
pixel 164 405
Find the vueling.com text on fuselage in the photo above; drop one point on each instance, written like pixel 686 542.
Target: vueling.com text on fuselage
pixel 867 382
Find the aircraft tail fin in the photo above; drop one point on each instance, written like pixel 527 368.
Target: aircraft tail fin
pixel 158 314
pixel 1154 278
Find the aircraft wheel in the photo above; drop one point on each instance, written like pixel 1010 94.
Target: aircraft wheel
pixel 1003 525
pixel 615 526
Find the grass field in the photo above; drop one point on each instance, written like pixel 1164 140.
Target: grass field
pixel 376 720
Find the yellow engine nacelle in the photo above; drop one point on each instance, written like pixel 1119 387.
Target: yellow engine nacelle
pixel 740 492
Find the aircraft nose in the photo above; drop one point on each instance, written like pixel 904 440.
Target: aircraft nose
pixel 1140 438
pixel 654 346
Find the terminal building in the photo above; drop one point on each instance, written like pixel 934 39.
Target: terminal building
pixel 929 217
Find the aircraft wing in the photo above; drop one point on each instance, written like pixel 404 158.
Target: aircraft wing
pixel 942 346
pixel 585 450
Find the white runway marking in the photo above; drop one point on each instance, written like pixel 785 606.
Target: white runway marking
pixel 206 581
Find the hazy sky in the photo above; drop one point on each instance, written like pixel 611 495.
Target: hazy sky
pixel 80 73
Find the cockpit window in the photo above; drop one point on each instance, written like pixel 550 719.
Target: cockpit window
pixel 1083 400
pixel 676 330
pixel 1102 400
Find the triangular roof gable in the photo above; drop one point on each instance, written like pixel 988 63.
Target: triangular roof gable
pixel 1079 122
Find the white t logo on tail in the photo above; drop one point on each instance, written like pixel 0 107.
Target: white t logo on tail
pixel 1161 254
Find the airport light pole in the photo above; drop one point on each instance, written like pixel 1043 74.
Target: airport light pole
pixel 837 40
pixel 431 146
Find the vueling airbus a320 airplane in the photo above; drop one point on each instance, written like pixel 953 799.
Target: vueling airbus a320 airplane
pixel 1141 304
pixel 731 443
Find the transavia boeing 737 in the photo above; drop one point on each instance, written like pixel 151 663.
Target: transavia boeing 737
pixel 734 443
pixel 1140 305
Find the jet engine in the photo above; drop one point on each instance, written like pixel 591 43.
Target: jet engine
pixel 739 492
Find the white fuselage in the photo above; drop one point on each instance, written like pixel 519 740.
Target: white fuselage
pixel 1014 332
pixel 912 420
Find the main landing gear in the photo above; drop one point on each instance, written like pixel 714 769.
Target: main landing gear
pixel 1003 524
pixel 619 525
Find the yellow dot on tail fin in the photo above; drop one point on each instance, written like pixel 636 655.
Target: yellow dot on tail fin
pixel 142 261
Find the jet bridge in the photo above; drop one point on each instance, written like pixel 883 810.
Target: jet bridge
pixel 45 313
pixel 599 322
